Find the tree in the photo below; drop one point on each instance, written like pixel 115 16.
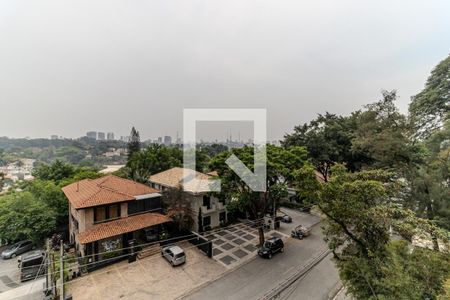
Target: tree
pixel 427 182
pixel 2 178
pixel 360 215
pixel 328 139
pixel 22 216
pixel 56 172
pixel 178 207
pixel 48 183
pixel 382 134
pixel 152 160
pixel 431 107
pixel 134 143
pixel 281 163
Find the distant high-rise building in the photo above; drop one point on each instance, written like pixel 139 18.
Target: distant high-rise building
pixel 167 140
pixel 110 136
pixel 124 138
pixel 92 134
pixel 101 136
pixel 54 137
pixel 159 140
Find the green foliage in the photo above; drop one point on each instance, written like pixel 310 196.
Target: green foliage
pixel 22 216
pixel 134 143
pixel 360 215
pixel 281 164
pixel 382 134
pixel 428 183
pixel 178 207
pixel 328 139
pixel 430 109
pixel 306 184
pixel 55 172
pixel 152 160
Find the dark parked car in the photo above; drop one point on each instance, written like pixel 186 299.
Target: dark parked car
pixel 284 219
pixel 32 265
pixel 270 247
pixel 17 249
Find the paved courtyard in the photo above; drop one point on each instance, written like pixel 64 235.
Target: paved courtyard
pixel 150 278
pixel 236 244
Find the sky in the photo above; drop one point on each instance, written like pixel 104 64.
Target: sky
pixel 68 67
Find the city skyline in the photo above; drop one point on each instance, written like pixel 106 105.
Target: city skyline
pixel 114 68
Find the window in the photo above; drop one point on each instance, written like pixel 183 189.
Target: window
pixel 222 217
pixel 207 201
pixel 74 222
pixel 138 206
pixel 207 221
pixel 107 212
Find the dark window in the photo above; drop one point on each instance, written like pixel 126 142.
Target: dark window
pixel 222 216
pixel 207 201
pixel 207 221
pixel 108 212
pixel 138 206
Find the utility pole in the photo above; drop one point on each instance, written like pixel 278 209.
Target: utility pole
pixel 61 271
pixel 48 278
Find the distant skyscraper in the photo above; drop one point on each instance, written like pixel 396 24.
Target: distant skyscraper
pixel 92 134
pixel 101 136
pixel 167 140
pixel 160 140
pixel 110 136
pixel 54 137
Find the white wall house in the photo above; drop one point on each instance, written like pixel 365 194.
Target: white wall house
pixel 213 210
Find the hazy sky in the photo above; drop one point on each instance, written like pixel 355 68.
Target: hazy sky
pixel 67 67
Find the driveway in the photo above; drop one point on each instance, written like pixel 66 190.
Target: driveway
pixel 149 278
pixel 10 285
pixel 237 244
pixel 9 274
pixel 254 279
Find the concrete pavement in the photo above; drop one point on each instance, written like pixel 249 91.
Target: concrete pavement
pixel 253 280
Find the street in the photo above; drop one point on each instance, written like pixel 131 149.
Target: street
pixel 254 279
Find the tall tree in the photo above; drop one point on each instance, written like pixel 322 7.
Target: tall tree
pixel 431 107
pixel 281 163
pixel 134 143
pixel 328 139
pixel 382 134
pixel 22 216
pixel 178 207
pixel 371 264
pixel 428 182
pixel 152 160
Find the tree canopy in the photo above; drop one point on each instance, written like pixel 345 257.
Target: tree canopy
pixel 372 265
pixel 430 108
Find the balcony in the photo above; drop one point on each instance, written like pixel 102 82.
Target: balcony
pixel 206 210
pixel 220 206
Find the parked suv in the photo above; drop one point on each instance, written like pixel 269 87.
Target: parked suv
pixel 17 249
pixel 32 265
pixel 174 255
pixel 270 247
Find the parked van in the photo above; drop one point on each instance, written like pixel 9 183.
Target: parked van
pixel 32 265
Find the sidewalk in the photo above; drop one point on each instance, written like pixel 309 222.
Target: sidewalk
pixel 32 291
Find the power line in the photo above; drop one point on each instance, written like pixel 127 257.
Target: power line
pixel 127 254
pixel 157 242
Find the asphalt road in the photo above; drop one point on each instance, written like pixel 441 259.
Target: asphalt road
pixel 254 279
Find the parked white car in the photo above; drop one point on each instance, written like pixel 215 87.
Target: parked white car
pixel 174 255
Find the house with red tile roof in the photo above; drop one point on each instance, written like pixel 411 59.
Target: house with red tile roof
pixel 105 214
